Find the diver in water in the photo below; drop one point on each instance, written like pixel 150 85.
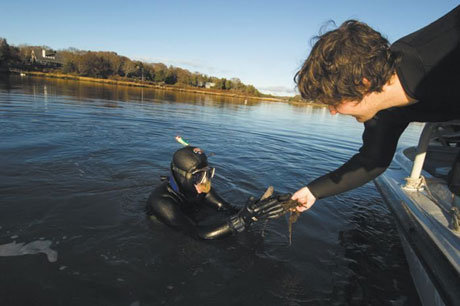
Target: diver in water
pixel 186 201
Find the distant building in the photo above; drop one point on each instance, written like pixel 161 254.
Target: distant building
pixel 209 84
pixel 45 57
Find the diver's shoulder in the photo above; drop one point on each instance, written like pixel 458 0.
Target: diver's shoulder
pixel 162 201
pixel 160 191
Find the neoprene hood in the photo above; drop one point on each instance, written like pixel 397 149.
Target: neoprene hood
pixel 184 162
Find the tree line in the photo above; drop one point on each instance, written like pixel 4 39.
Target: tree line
pixel 110 65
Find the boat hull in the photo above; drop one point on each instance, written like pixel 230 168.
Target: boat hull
pixel 430 246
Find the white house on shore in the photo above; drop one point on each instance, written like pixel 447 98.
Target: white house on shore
pixel 45 57
pixel 209 84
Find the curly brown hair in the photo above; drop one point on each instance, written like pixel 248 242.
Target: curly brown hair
pixel 339 62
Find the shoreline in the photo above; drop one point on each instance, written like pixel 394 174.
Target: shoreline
pixel 145 84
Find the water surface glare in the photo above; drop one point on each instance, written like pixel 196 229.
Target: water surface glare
pixel 78 161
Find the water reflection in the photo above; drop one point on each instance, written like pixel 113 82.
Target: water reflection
pixel 84 90
pixel 5 83
pixel 373 254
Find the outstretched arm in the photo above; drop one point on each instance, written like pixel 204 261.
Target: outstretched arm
pixel 167 210
pixel 380 139
pixel 253 211
pixel 214 200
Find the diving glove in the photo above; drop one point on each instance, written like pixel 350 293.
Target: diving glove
pixel 269 208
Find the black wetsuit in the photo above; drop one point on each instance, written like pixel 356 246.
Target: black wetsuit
pixel 195 216
pixel 429 72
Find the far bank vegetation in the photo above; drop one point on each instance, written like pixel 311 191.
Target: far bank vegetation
pixel 110 65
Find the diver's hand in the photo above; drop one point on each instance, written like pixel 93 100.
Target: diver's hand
pixel 268 208
pixel 305 197
pixel 256 210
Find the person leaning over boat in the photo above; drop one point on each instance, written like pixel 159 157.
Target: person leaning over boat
pixel 354 70
pixel 186 201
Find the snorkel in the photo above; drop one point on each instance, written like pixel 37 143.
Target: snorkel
pixel 180 140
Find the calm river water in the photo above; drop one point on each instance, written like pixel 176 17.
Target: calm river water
pixel 79 160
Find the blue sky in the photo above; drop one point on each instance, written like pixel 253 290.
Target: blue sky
pixel 261 42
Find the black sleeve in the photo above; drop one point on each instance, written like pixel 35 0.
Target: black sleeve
pixel 380 138
pixel 213 199
pixel 430 60
pixel 167 209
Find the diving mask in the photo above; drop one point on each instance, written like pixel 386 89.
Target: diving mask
pixel 202 178
pixel 201 175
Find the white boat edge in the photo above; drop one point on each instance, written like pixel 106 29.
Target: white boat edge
pixel 431 246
